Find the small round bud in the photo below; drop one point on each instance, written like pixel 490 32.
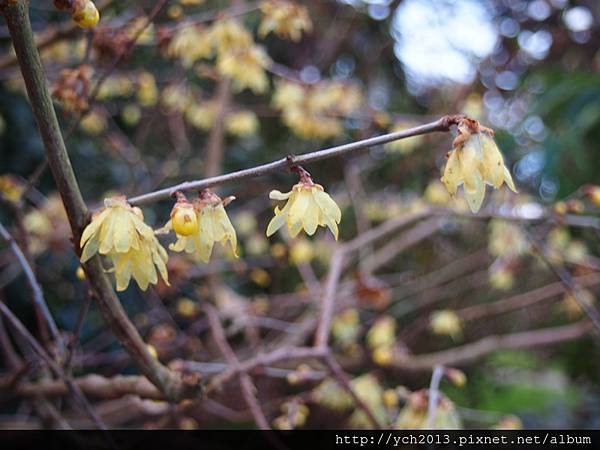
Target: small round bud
pixel 87 16
pixel 80 273
pixel 560 208
pixel 594 195
pixel 184 218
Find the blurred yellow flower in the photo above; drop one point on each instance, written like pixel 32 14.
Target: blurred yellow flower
pixel 301 252
pixel 475 161
pixel 189 44
pixel 308 206
pixel 241 123
pixel 229 35
pixel 445 322
pixel 94 123
pixel 382 333
pixel 119 232
pixel 246 67
pixel 201 116
pixel 286 19
pixel 147 93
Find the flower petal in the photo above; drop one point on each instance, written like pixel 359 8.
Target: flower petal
pixel 452 174
pixel 327 205
pixel 278 195
pixel 509 181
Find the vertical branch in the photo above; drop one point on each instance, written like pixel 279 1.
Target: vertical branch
pixel 17 19
pixel 214 148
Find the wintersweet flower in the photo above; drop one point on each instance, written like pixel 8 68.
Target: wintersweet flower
pixel 475 161
pixel 307 207
pixel 213 226
pixel 118 231
pixel 286 19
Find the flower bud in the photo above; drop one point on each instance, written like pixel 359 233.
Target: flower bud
pixel 87 16
pixel 184 218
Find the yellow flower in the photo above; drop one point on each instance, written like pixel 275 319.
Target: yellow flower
pixel 189 45
pixel 308 206
pixel 213 226
pixel 475 161
pixel 147 93
pixel 445 322
pixel 87 15
pixel 201 116
pixel 285 19
pixel 246 67
pixel 229 35
pixel 119 232
pixel 241 123
pixel 382 333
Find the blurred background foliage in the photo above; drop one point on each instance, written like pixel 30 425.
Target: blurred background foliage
pixel 528 69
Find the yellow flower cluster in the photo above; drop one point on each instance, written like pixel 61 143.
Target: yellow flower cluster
pixel 118 232
pixel 200 224
pixel 284 18
pixel 189 44
pixel 475 161
pixel 246 67
pixel 308 206
pixel 315 111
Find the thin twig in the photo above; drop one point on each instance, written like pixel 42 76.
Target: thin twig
pixel 40 352
pixel 568 281
pixel 343 379
pixel 434 394
pixel 246 384
pixel 38 294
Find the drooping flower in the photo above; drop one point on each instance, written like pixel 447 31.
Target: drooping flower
pixel 118 231
pixel 213 226
pixel 286 19
pixel 307 207
pixel 475 161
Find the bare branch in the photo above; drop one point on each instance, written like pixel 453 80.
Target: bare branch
pixel 37 293
pixel 442 124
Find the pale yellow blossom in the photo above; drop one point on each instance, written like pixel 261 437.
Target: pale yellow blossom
pixel 213 226
pixel 474 162
pixel 308 206
pixel 118 231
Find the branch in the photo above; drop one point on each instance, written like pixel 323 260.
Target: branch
pixel 247 386
pixel 91 385
pixel 520 301
pixel 469 352
pixel 17 19
pixel 569 283
pixel 41 353
pixel 442 124
pixel 37 293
